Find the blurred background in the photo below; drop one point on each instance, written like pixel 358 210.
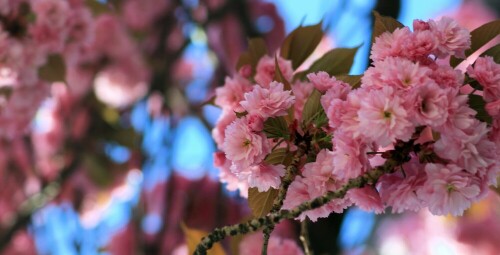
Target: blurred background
pixel 143 163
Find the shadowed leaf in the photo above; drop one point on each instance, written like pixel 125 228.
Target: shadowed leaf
pixel 479 37
pixel 54 70
pixel 334 62
pixel 276 128
pixel 493 52
pixel 278 76
pixel 277 157
pixel 353 80
pixel 256 49
pixel 261 202
pixel 300 43
pixel 312 108
pixel 477 103
pixel 96 7
pixel 384 24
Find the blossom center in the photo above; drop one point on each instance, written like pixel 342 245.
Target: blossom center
pixel 406 81
pixel 246 143
pixel 387 114
pixel 450 188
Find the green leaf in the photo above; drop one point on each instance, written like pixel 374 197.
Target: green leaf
pixel 6 92
pixel 276 128
pixel 97 8
pixel 473 83
pixel 384 24
pixel 320 119
pixel 256 49
pixel 193 237
pixel 97 169
pixel 479 37
pixel 126 137
pixel 334 62
pixel 54 70
pixel 300 43
pixel 278 76
pixel 261 202
pixel 493 52
pixel 312 108
pixel 477 103
pixel 353 80
pixel 277 157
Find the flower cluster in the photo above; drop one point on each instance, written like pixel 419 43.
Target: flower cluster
pixel 242 139
pixel 43 41
pixel 409 95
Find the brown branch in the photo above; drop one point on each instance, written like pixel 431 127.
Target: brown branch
pixel 35 202
pixel 368 178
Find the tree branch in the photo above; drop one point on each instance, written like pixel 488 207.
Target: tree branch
pixel 292 171
pixel 35 202
pixel 218 234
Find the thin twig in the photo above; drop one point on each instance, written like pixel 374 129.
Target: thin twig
pixel 304 237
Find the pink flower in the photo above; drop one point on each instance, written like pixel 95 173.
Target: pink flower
pixel 243 146
pixel 304 189
pixel 9 6
pixel 390 44
pixel 343 115
pixel 399 73
pixel 79 80
pixel 487 73
pixel 49 30
pixel 349 156
pixel 218 133
pixel 226 176
pixel 322 81
pixel 265 70
pixel 383 119
pixel 268 102
pixel 448 189
pixel 81 28
pixel 429 105
pixel 141 14
pixel 53 12
pixel 420 25
pixel 252 244
pixel 419 45
pixel 230 95
pixel 469 148
pixel 493 109
pixel 18 111
pixel 338 90
pixel 255 122
pixel 122 84
pixel 301 91
pixel 111 38
pixel 366 198
pixel 398 190
pixel 453 39
pixel 263 176
pixel 317 180
pixel 460 115
pixel 447 77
